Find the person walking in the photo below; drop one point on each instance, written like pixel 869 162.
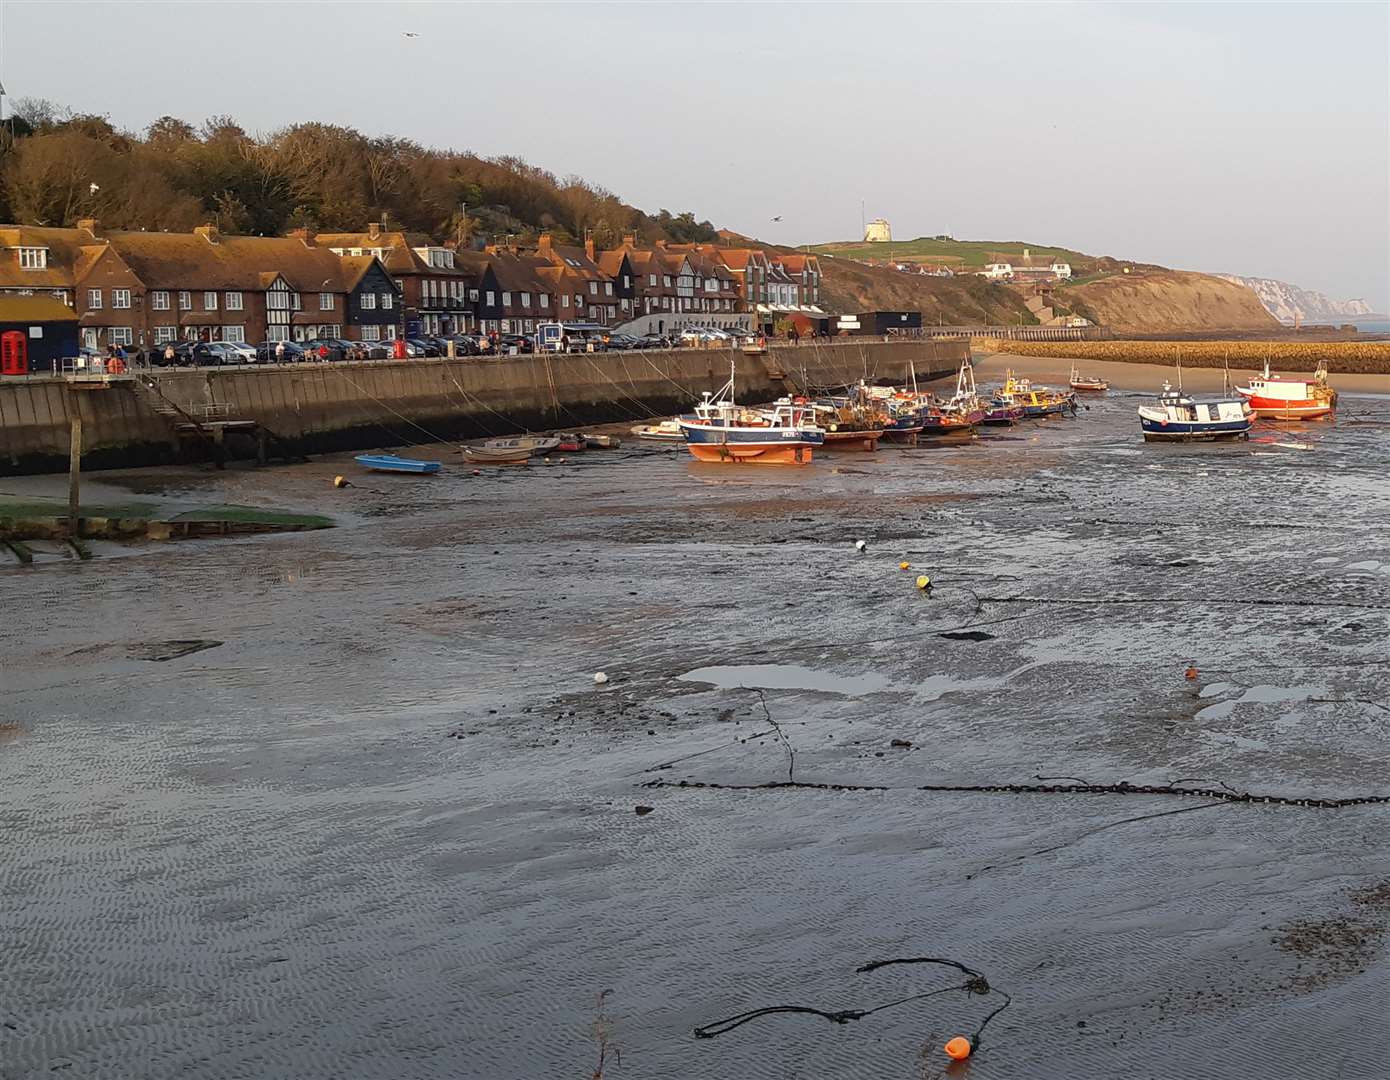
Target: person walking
pixel 169 354
pixel 279 352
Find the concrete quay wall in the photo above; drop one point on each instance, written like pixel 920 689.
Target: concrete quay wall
pixel 341 406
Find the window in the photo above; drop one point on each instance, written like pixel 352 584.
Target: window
pixel 473 294
pixel 234 333
pixel 94 298
pixel 388 301
pixel 33 258
pixel 369 301
pixel 325 301
pixel 276 300
pixel 651 279
pixel 186 301
pixel 666 280
pixel 593 288
pixel 209 301
pixel 525 299
pixel 295 301
pixel 545 301
pixel 119 335
pixel 491 298
pixel 159 301
pixel 565 300
pixel 120 298
pixel 627 282
pixel 371 333
pixel 506 299
pixel 165 333
pixel 233 301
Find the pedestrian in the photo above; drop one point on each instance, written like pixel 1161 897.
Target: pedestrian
pixel 169 354
pixel 279 352
pixel 795 335
pixel 564 343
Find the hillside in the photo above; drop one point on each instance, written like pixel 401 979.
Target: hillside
pixel 970 254
pixel 1158 301
pixel 966 299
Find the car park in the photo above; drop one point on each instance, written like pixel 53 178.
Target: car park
pixel 266 352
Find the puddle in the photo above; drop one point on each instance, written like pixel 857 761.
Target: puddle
pixel 1261 695
pixel 786 677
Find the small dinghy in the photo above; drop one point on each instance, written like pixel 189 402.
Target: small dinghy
pixel 601 442
pixel 1090 383
pixel 496 455
pixel 391 463
pixel 571 444
pixel 666 431
pixel 534 445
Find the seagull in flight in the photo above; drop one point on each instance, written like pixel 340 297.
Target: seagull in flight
pixel 777 218
pixel 409 33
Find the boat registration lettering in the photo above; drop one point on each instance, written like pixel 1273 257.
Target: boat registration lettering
pixel 788 433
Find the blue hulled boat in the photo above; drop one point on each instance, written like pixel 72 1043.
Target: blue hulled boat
pixel 391 463
pixel 1180 418
pixel 722 430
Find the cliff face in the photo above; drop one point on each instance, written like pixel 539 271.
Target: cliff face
pixel 1290 304
pixel 1159 301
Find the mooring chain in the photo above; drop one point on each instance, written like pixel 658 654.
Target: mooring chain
pixel 1124 787
pixel 975 984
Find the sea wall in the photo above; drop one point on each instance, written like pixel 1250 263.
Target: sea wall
pixel 341 406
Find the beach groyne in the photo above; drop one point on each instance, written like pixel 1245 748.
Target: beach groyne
pixel 166 415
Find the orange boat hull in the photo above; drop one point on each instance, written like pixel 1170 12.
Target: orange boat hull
pixel 726 453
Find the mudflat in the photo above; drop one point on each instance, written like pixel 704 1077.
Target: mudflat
pixel 350 802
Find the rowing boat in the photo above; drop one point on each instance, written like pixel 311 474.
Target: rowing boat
pixel 392 463
pixel 495 455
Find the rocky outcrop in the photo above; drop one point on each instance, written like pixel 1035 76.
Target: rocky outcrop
pixel 1291 304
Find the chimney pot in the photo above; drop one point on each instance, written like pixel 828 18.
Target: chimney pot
pixel 88 225
pixel 373 229
pixel 543 243
pixel 304 234
pixel 208 232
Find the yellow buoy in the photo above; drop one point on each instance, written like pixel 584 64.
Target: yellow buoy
pixel 904 566
pixel 340 481
pixel 923 582
pixel 958 1049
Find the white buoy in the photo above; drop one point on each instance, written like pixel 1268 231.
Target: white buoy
pixel 860 545
pixel 600 678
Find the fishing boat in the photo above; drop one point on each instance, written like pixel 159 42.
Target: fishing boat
pixel 722 430
pixel 1001 414
pixel 1088 383
pixel 535 445
pixel 666 431
pixel 850 422
pixel 1279 398
pixel 571 444
pixel 1179 418
pixel 601 442
pixel 392 463
pixel 1036 400
pixel 483 455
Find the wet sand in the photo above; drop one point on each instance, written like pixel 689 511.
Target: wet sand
pixel 380 822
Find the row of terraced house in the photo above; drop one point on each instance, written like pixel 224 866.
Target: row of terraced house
pixel 141 289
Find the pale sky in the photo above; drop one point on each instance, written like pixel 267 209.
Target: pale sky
pixel 1248 138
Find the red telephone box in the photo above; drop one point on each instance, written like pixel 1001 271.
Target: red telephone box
pixel 14 353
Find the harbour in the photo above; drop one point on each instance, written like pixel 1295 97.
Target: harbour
pixel 243 718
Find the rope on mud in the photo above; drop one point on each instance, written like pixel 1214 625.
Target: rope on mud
pixel 1124 787
pixel 1104 601
pixel 975 983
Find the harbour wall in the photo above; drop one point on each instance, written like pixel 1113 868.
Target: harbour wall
pixel 190 412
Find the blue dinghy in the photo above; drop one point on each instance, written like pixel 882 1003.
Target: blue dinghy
pixel 391 463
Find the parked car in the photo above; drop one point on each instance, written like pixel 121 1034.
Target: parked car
pixel 411 349
pixel 326 349
pixel 266 354
pixel 654 341
pixel 464 344
pixel 424 347
pixel 619 341
pixel 372 350
pixel 521 342
pixel 183 354
pixel 215 353
pixel 243 350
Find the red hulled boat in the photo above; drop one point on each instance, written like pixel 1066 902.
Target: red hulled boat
pixel 1279 398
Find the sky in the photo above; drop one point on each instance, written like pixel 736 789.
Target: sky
pixel 1248 138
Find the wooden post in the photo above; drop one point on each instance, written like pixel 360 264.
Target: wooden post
pixel 74 475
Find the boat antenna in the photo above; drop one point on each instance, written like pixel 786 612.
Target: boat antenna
pixel 1226 373
pixel 912 367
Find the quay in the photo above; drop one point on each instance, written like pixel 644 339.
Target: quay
pixel 166 415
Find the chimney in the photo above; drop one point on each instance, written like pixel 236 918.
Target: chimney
pixel 208 232
pixel 373 229
pixel 630 239
pixel 303 234
pixel 589 248
pixel 88 225
pixel 543 244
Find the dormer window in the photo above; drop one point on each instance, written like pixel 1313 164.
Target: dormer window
pixel 33 258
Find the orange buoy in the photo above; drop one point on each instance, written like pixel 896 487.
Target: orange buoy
pixel 958 1049
pixel 1190 673
pixel 904 566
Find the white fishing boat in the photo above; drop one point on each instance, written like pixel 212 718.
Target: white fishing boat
pixel 1180 418
pixel 535 445
pixel 666 431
